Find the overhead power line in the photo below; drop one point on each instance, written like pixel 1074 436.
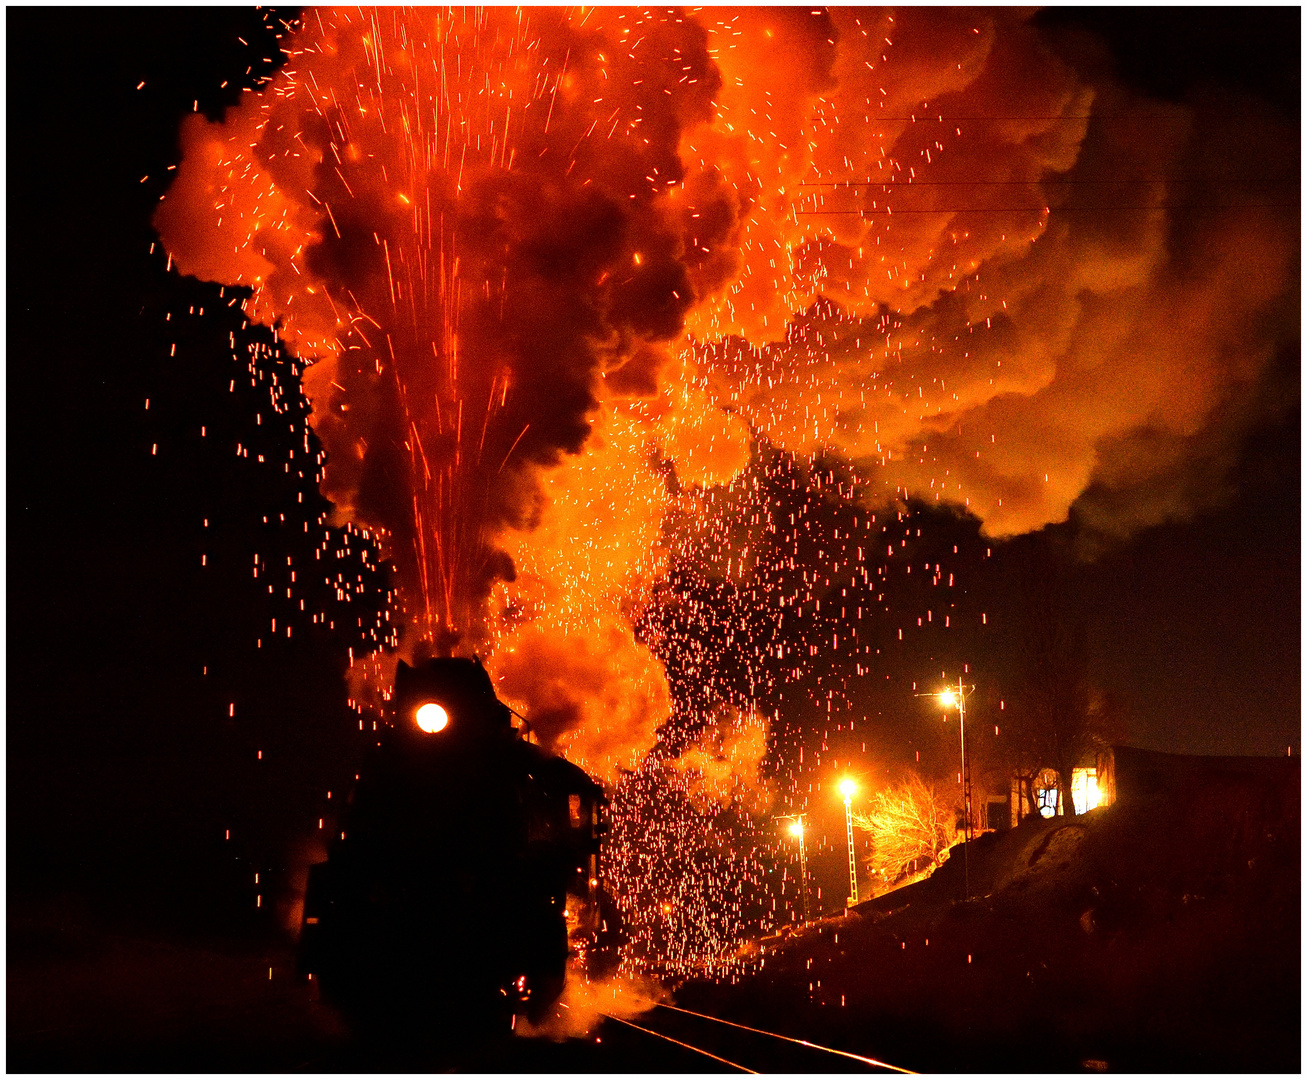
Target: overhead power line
pixel 887 212
pixel 1019 183
pixel 938 119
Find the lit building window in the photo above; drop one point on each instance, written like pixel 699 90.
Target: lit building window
pixel 1084 789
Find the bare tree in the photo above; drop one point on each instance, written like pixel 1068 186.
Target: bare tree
pixel 998 760
pixel 911 828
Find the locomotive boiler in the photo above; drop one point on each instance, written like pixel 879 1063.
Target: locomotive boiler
pixel 463 854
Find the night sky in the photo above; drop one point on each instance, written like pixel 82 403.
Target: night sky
pixel 143 686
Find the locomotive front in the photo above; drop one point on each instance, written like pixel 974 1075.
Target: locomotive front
pixel 444 902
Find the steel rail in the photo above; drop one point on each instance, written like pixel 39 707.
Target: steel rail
pixel 787 1038
pixel 697 1050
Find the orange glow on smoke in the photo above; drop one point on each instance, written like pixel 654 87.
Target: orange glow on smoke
pixel 558 273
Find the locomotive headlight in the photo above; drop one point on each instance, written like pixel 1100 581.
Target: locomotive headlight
pixel 432 717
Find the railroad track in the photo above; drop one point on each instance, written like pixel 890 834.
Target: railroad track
pixel 748 1049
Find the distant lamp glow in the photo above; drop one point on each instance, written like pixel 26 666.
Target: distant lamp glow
pixel 848 787
pixel 948 698
pixel 432 718
pixel 796 828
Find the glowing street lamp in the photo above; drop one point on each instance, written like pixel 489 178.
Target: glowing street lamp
pixel 948 699
pixel 848 788
pixel 797 831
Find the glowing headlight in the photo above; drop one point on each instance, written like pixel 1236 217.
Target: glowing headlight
pixel 432 717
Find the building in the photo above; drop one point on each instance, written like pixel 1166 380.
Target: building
pixel 1128 772
pixel 1091 786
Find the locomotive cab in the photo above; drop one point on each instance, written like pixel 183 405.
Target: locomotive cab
pixel 463 855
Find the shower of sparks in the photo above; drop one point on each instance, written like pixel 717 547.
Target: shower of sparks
pixel 650 349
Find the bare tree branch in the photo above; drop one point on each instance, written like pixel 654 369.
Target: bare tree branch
pixel 911 829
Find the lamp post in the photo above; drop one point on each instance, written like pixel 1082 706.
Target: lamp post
pixel 796 830
pixel 847 788
pixel 958 697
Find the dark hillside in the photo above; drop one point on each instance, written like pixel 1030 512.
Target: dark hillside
pixel 1159 934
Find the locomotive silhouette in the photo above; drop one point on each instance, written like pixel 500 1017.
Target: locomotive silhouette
pixel 463 855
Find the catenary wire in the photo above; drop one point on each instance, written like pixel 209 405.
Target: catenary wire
pixel 887 212
pixel 873 182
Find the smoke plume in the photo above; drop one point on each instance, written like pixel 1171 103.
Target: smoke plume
pixel 723 767
pixel 556 270
pixel 987 280
pixel 585 1003
pixel 461 220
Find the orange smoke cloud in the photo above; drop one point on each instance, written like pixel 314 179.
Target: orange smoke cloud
pixel 554 270
pixel 460 220
pixel 723 767
pixel 1004 323
pixel 565 652
pixel 585 1003
pixel 597 697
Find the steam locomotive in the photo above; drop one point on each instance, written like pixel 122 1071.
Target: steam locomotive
pixel 463 856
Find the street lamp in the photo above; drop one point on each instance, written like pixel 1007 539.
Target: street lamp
pixel 796 830
pixel 948 699
pixel 848 788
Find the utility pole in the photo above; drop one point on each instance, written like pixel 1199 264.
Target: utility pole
pixel 961 698
pixel 797 830
pixel 958 697
pixel 966 765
